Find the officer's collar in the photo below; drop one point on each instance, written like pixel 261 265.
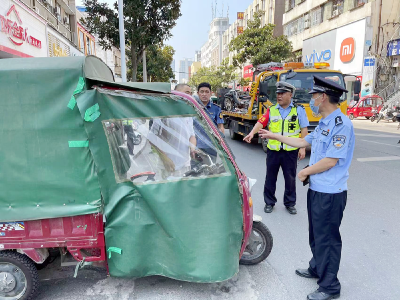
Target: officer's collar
pixel 330 117
pixel 208 104
pixel 290 105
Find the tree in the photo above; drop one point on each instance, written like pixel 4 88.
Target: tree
pixel 258 44
pixel 218 77
pixel 159 59
pixel 147 22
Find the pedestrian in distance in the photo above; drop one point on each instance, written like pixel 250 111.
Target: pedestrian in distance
pixel 184 88
pixel 331 154
pixel 286 119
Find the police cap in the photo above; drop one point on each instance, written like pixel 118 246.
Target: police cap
pixel 327 86
pixel 283 87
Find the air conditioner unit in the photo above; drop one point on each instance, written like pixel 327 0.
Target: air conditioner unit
pixel 307 23
pixel 37 10
pixel 66 20
pixel 335 13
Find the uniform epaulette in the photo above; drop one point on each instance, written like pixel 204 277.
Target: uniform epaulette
pixel 298 105
pixel 338 120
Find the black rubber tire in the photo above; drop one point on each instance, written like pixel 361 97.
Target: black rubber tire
pixel 373 118
pixel 351 117
pixel 232 133
pixel 27 267
pixel 262 229
pixel 137 140
pixel 394 119
pixel 367 118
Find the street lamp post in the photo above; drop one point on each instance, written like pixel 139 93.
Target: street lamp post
pixel 122 38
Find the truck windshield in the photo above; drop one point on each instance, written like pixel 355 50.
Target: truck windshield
pixel 303 81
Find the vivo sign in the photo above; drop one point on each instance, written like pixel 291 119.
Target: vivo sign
pixel 315 57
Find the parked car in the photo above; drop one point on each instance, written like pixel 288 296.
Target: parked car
pixel 365 107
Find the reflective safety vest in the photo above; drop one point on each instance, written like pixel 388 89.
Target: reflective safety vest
pixel 289 126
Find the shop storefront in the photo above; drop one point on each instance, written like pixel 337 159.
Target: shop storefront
pixel 345 49
pixel 59 46
pixel 22 33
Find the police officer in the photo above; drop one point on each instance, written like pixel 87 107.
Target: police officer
pixel 213 111
pixel 331 154
pixel 287 119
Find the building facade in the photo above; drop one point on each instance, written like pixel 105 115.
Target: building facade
pixel 211 52
pixel 197 56
pixel 184 70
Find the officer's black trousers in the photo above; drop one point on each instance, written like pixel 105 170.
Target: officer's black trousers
pixel 288 161
pixel 325 212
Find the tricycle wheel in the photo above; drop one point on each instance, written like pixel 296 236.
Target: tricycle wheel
pixel 351 117
pixel 137 140
pixel 18 276
pixel 259 245
pixel 372 118
pixel 367 118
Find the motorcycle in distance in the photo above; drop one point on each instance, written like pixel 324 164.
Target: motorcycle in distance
pixel 375 115
pixel 233 100
pixel 387 114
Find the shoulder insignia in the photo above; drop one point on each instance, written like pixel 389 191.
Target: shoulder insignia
pixel 221 116
pixel 339 141
pixel 298 105
pixel 338 120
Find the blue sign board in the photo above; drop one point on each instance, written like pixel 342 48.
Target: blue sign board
pixel 393 48
pixel 369 62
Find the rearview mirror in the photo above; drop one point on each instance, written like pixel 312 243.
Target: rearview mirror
pixel 357 87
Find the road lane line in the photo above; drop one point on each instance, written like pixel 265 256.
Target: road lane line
pixel 385 158
pixel 380 143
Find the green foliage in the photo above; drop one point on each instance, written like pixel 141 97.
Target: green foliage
pixel 218 77
pixel 159 59
pixel 258 44
pixel 147 22
pixel 244 81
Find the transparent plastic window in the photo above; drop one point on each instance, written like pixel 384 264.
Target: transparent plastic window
pixel 151 150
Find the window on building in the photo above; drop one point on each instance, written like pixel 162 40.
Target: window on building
pixel 359 2
pixel 251 15
pixel 263 5
pixel 337 7
pixel 88 46
pixel 300 24
pixel 317 16
pixel 257 8
pixel 81 41
pixel 292 4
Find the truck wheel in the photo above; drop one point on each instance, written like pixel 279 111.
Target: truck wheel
pixel 259 245
pixel 228 103
pixel 351 117
pixel 18 276
pixel 232 133
pixel 367 118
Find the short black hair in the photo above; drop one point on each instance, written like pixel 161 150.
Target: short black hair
pixel 333 99
pixel 204 84
pixel 180 85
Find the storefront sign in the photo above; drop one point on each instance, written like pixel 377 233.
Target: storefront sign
pixel 368 76
pixel 11 25
pixel 248 71
pixel 240 29
pixel 325 55
pixel 395 63
pixel 240 15
pixel 347 50
pixel 393 48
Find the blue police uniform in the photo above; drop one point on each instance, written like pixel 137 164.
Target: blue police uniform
pixel 287 160
pixel 203 141
pixel 327 195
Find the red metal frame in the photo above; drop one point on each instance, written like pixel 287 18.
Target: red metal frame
pixel 73 233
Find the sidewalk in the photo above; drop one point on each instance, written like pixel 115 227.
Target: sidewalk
pixel 382 126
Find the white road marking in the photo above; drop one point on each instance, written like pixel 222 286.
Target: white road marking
pixel 377 135
pixel 381 143
pixel 384 158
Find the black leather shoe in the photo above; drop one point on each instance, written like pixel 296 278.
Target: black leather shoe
pixel 291 209
pixel 268 208
pixel 305 273
pixel 317 295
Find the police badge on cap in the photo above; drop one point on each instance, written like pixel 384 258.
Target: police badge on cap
pixel 284 87
pixel 327 86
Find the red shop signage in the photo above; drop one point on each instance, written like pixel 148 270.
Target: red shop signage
pixel 16 33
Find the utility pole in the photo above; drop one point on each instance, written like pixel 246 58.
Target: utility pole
pixel 144 67
pixel 122 38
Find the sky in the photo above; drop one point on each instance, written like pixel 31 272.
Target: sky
pixel 191 31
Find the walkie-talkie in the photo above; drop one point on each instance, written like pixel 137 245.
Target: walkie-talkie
pixel 307 180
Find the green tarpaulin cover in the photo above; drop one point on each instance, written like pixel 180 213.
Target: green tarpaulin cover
pixel 70 147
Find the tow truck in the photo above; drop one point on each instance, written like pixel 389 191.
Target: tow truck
pixel 240 119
